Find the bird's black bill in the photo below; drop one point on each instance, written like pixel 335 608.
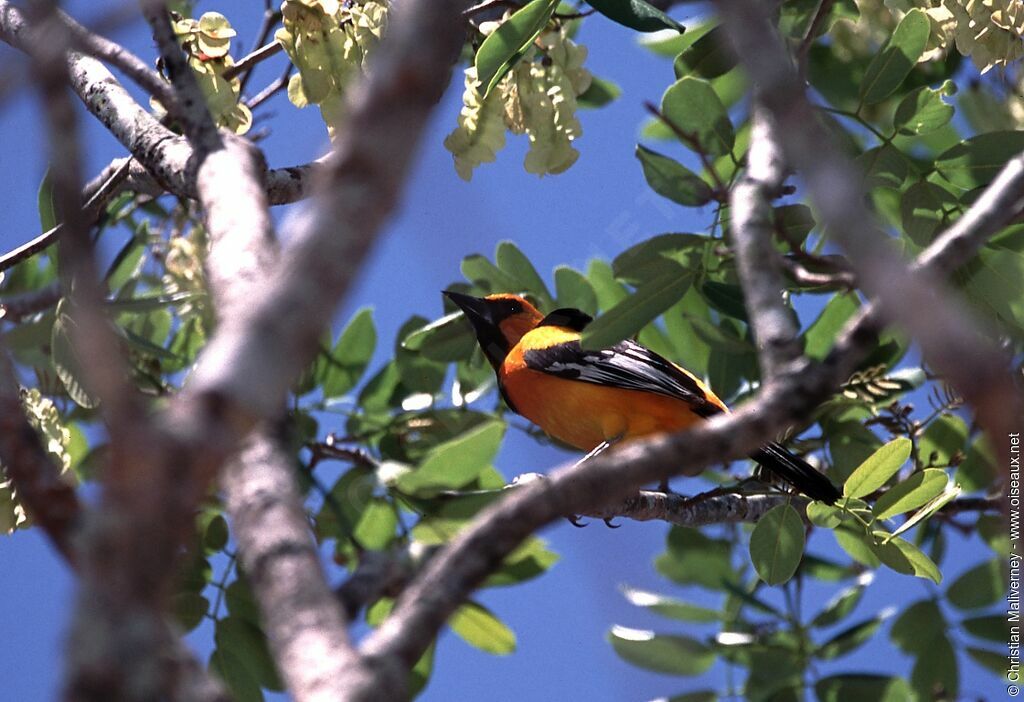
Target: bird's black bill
pixel 481 314
pixel 475 308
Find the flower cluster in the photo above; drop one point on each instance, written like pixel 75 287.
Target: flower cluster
pixel 43 416
pixel 329 43
pixel 537 97
pixel 207 42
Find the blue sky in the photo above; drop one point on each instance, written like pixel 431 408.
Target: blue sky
pixel 596 209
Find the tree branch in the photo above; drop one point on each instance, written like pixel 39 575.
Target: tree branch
pixel 248 62
pixel 167 156
pixel 304 621
pixel 774 326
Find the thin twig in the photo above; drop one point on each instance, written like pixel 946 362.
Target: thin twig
pixel 247 63
pixel 270 18
pixel 721 189
pixel 91 211
pixel 268 92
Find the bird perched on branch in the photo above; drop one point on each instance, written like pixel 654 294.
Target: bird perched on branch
pixel 593 399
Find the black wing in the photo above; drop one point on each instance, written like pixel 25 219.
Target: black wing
pixel 626 365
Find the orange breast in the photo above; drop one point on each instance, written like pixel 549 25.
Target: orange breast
pixel 584 414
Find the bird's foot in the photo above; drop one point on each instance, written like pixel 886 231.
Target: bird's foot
pixel 575 521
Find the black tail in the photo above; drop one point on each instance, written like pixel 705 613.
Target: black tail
pixel 797 472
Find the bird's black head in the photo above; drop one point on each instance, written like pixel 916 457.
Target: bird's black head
pixel 567 317
pixel 499 321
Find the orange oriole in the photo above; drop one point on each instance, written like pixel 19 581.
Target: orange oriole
pixel 592 398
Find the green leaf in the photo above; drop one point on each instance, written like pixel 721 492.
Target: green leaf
pixel 726 298
pixel 936 669
pixel 419 676
pixel 230 667
pixel 994 282
pixel 978 470
pixel 708 57
pixel 600 93
pixel 674 655
pixel 673 180
pixel 694 559
pixel 609 291
pixel 910 494
pixel 982 585
pixel 857 545
pixel 923 211
pixel 943 438
pixel 48 218
pixel 481 272
pixel 849 639
pixel 530 559
pixel 893 64
pixel 878 468
pixel 923 110
pixel 376 527
pixel 795 222
pixel 514 262
pixel 244 639
pixel 821 335
pixel 994 661
pixel 478 627
pixel 950 493
pixel 826 516
pixel 856 687
pixel 417 372
pixel 916 626
pixel 691 105
pixel 189 609
pixel 826 570
pixel 698 696
pixel 777 543
pixel 572 289
pixel 447 339
pixel 636 14
pixel 66 362
pixel 992 627
pixel 507 44
pixel 841 606
pixel 669 606
pixel 455 463
pixel 632 314
pixel 976 161
pixel 883 167
pixel 903 557
pixel 351 354
pixel 650 257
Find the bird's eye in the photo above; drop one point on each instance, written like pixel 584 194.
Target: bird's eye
pixel 515 308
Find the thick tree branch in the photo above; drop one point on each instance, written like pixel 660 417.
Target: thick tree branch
pixel 304 621
pixel 167 156
pixel 118 56
pixel 774 326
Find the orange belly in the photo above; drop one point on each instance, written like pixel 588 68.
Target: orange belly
pixel 584 414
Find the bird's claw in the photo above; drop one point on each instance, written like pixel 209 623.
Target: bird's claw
pixel 575 521
pixel 608 523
